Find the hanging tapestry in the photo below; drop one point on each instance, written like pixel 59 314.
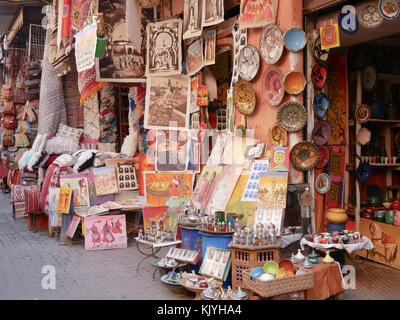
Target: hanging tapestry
pixel 137 95
pixel 337 93
pixel 91 117
pixel 74 109
pixel 257 13
pixel 108 120
pixel 336 168
pixel 85 47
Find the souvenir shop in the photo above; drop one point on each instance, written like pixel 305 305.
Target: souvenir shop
pixel 242 147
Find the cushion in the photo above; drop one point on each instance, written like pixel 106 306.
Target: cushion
pixel 34 160
pixel 18 191
pixel 23 162
pixel 85 160
pixel 66 131
pixel 107 147
pixel 129 146
pixel 65 160
pixel 61 145
pixel 32 198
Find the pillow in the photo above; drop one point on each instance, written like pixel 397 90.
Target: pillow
pixel 65 160
pixel 107 147
pixel 85 160
pixel 36 142
pixel 18 192
pixel 42 143
pixel 32 198
pixel 34 160
pixel 23 162
pixel 129 146
pixel 66 131
pixel 61 145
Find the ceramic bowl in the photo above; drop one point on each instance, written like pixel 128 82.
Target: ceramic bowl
pixel 273 86
pixel 257 272
pixel 304 156
pixel 280 274
pixel 319 75
pixel 320 105
pixel 286 264
pixel 271 44
pixel 267 277
pixel 294 82
pixel 336 217
pixel 323 157
pixel 321 132
pixel 294 39
pixel 363 136
pixel 271 267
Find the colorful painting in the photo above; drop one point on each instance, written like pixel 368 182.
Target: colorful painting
pixel 78 182
pixel 209 47
pixel 202 96
pixel 280 159
pixel 173 148
pixel 85 47
pixel 216 263
pixel 105 180
pixel 125 173
pixel 73 225
pixel 329 33
pixel 105 232
pixel 194 83
pixel 153 216
pixel 94 198
pixel 54 217
pixel 337 93
pixel 192 18
pixel 251 192
pixel 162 187
pixel 194 57
pixel 205 186
pixel 272 190
pixel 64 200
pixel 257 13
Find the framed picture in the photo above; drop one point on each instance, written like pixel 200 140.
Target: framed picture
pixel 105 232
pixel 164 48
pixel 272 190
pixel 167 103
pixel 73 225
pixel 54 217
pixel 64 200
pixel 202 96
pixel 216 263
pixel 172 151
pixel 194 83
pixel 194 57
pixel 124 60
pixel 78 182
pixel 183 255
pixel 209 47
pixel 255 151
pixel 105 180
pixel 255 13
pixel 153 216
pixel 125 172
pixel 213 12
pixel 94 198
pixel 192 18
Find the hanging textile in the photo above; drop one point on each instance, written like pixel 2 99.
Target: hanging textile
pixel 137 96
pixel 72 99
pixel 108 120
pixel 51 104
pixel 91 117
pixel 58 58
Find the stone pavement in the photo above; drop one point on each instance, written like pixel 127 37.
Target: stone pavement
pixel 80 274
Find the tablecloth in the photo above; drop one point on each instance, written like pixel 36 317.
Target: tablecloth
pixel 290 238
pixel 365 243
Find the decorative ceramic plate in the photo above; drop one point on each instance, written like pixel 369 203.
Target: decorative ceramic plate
pixel 369 15
pixel 273 86
pixel 318 76
pixel 363 136
pixel 321 55
pixel 249 62
pixel 294 82
pixel 164 279
pixel 370 78
pixel 244 97
pixel 321 132
pixel 286 264
pixel 271 44
pixel 279 136
pixel 323 183
pixel 292 116
pixel 323 157
pixel 363 172
pixel 294 39
pixel 363 113
pixel 304 156
pixel 320 105
pixel 389 9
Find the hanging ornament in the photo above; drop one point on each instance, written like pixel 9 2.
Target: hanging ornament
pixel 348 20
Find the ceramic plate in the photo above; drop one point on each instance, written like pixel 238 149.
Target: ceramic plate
pixel 363 113
pixel 273 86
pixel 279 136
pixel 323 183
pixel 164 280
pixel 323 157
pixel 294 82
pixel 321 55
pixel 271 44
pixel 294 39
pixel 321 132
pixel 389 9
pixel 292 116
pixel 369 16
pixel 363 172
pixel 304 156
pixel 244 97
pixel 318 76
pixel 249 62
pixel 286 264
pixel 370 78
pixel 320 105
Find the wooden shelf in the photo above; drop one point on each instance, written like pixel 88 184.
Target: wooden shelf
pixel 392 78
pixel 396 166
pixel 391 123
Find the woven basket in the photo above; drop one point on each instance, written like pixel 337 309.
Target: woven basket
pixel 276 287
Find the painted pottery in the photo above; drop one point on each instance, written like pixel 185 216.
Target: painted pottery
pixel 396 220
pixel 318 76
pixel 271 267
pixel 362 113
pixel 321 132
pixel 304 156
pixel 369 78
pixel 323 157
pixel 271 44
pixel 249 62
pixel 337 216
pixel 323 183
pixel 294 39
pixel 320 105
pixel 327 259
pixel 292 116
pixel 294 82
pixel 389 217
pixel 319 54
pixel 389 9
pixel 273 86
pixel 244 97
pixel 368 15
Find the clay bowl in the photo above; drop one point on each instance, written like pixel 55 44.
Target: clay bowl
pixel 294 82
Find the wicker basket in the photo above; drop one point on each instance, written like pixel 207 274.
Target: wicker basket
pixel 276 287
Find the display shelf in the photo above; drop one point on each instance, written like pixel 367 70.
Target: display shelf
pixel 391 78
pixel 349 167
pixel 390 123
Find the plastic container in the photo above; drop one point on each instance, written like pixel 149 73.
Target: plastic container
pixel 336 227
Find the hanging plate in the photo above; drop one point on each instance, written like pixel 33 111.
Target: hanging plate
pixel 292 116
pixel 304 156
pixel 318 76
pixel 294 39
pixel 273 86
pixel 321 132
pixel 370 78
pixel 369 15
pixel 294 82
pixel 389 9
pixel 271 44
pixel 323 157
pixel 320 105
pixel 323 183
pixel 321 55
pixel 244 97
pixel 363 113
pixel 279 136
pixel 249 62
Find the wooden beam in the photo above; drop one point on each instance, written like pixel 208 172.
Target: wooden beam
pixel 311 6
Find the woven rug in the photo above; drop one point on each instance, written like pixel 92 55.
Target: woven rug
pixel 51 104
pixel 137 96
pixel 91 117
pixel 108 120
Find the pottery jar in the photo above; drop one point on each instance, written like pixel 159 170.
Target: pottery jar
pixel 389 217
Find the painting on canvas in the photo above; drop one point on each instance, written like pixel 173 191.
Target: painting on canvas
pixel 126 174
pixel 78 182
pixel 167 103
pixel 209 47
pixel 257 13
pixel 94 198
pixel 73 225
pixel 194 57
pixel 172 151
pixel 105 180
pixel 162 187
pixel 272 190
pixel 52 198
pixel 213 12
pixel 64 200
pixel 164 48
pixel 153 216
pixel 192 18
pixel 105 232
pixel 194 83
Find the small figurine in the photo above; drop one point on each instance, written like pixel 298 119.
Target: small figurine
pixel 140 234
